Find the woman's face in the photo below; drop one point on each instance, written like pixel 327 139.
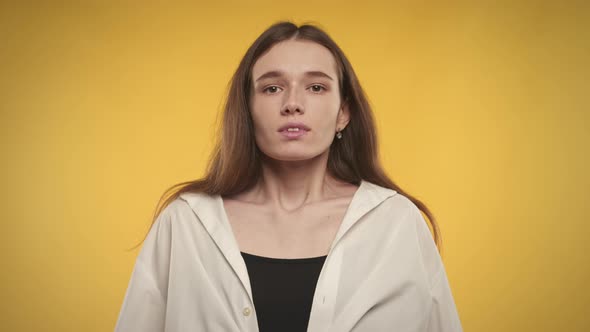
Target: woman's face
pixel 296 82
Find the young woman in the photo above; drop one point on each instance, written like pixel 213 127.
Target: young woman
pixel 295 226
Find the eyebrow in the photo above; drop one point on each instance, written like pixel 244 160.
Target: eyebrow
pixel 278 73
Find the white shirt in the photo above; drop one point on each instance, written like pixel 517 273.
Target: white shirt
pixel 382 273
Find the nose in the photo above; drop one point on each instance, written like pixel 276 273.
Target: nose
pixel 292 103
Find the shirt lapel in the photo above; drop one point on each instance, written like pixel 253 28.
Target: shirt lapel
pixel 367 197
pixel 212 215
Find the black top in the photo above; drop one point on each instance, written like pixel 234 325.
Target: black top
pixel 282 290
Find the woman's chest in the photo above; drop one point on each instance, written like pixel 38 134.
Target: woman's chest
pixel 265 232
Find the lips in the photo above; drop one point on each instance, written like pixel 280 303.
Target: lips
pixel 294 126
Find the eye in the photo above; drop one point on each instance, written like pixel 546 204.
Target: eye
pixel 317 88
pixel 271 89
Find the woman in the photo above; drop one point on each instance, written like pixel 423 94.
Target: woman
pixel 295 226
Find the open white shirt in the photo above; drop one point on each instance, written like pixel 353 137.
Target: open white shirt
pixel 382 273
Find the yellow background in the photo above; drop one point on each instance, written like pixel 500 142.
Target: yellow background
pixel 482 110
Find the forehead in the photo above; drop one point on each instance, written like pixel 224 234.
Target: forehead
pixel 295 57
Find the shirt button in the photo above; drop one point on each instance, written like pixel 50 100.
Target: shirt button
pixel 246 311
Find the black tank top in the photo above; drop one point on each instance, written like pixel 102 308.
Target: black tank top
pixel 282 290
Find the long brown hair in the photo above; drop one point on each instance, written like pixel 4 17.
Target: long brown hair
pixel 235 163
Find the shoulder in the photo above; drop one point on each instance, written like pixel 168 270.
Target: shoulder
pixel 400 205
pixel 410 223
pixel 195 200
pixel 172 210
pixel 177 211
pixel 428 252
pixel 404 208
pixel 395 203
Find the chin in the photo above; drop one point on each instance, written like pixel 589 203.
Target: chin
pixel 293 156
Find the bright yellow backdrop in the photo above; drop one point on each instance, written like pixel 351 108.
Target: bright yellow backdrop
pixel 482 111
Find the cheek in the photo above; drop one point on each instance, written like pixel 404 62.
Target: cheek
pixel 261 112
pixel 257 114
pixel 263 128
pixel 262 122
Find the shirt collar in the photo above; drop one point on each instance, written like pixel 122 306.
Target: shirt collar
pixel 211 212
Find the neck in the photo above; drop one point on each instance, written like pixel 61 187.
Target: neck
pixel 289 185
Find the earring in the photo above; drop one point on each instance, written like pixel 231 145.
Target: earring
pixel 338 134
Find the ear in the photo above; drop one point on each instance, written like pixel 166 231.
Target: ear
pixel 343 116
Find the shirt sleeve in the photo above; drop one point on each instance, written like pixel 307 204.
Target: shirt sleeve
pixel 144 304
pixel 443 316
